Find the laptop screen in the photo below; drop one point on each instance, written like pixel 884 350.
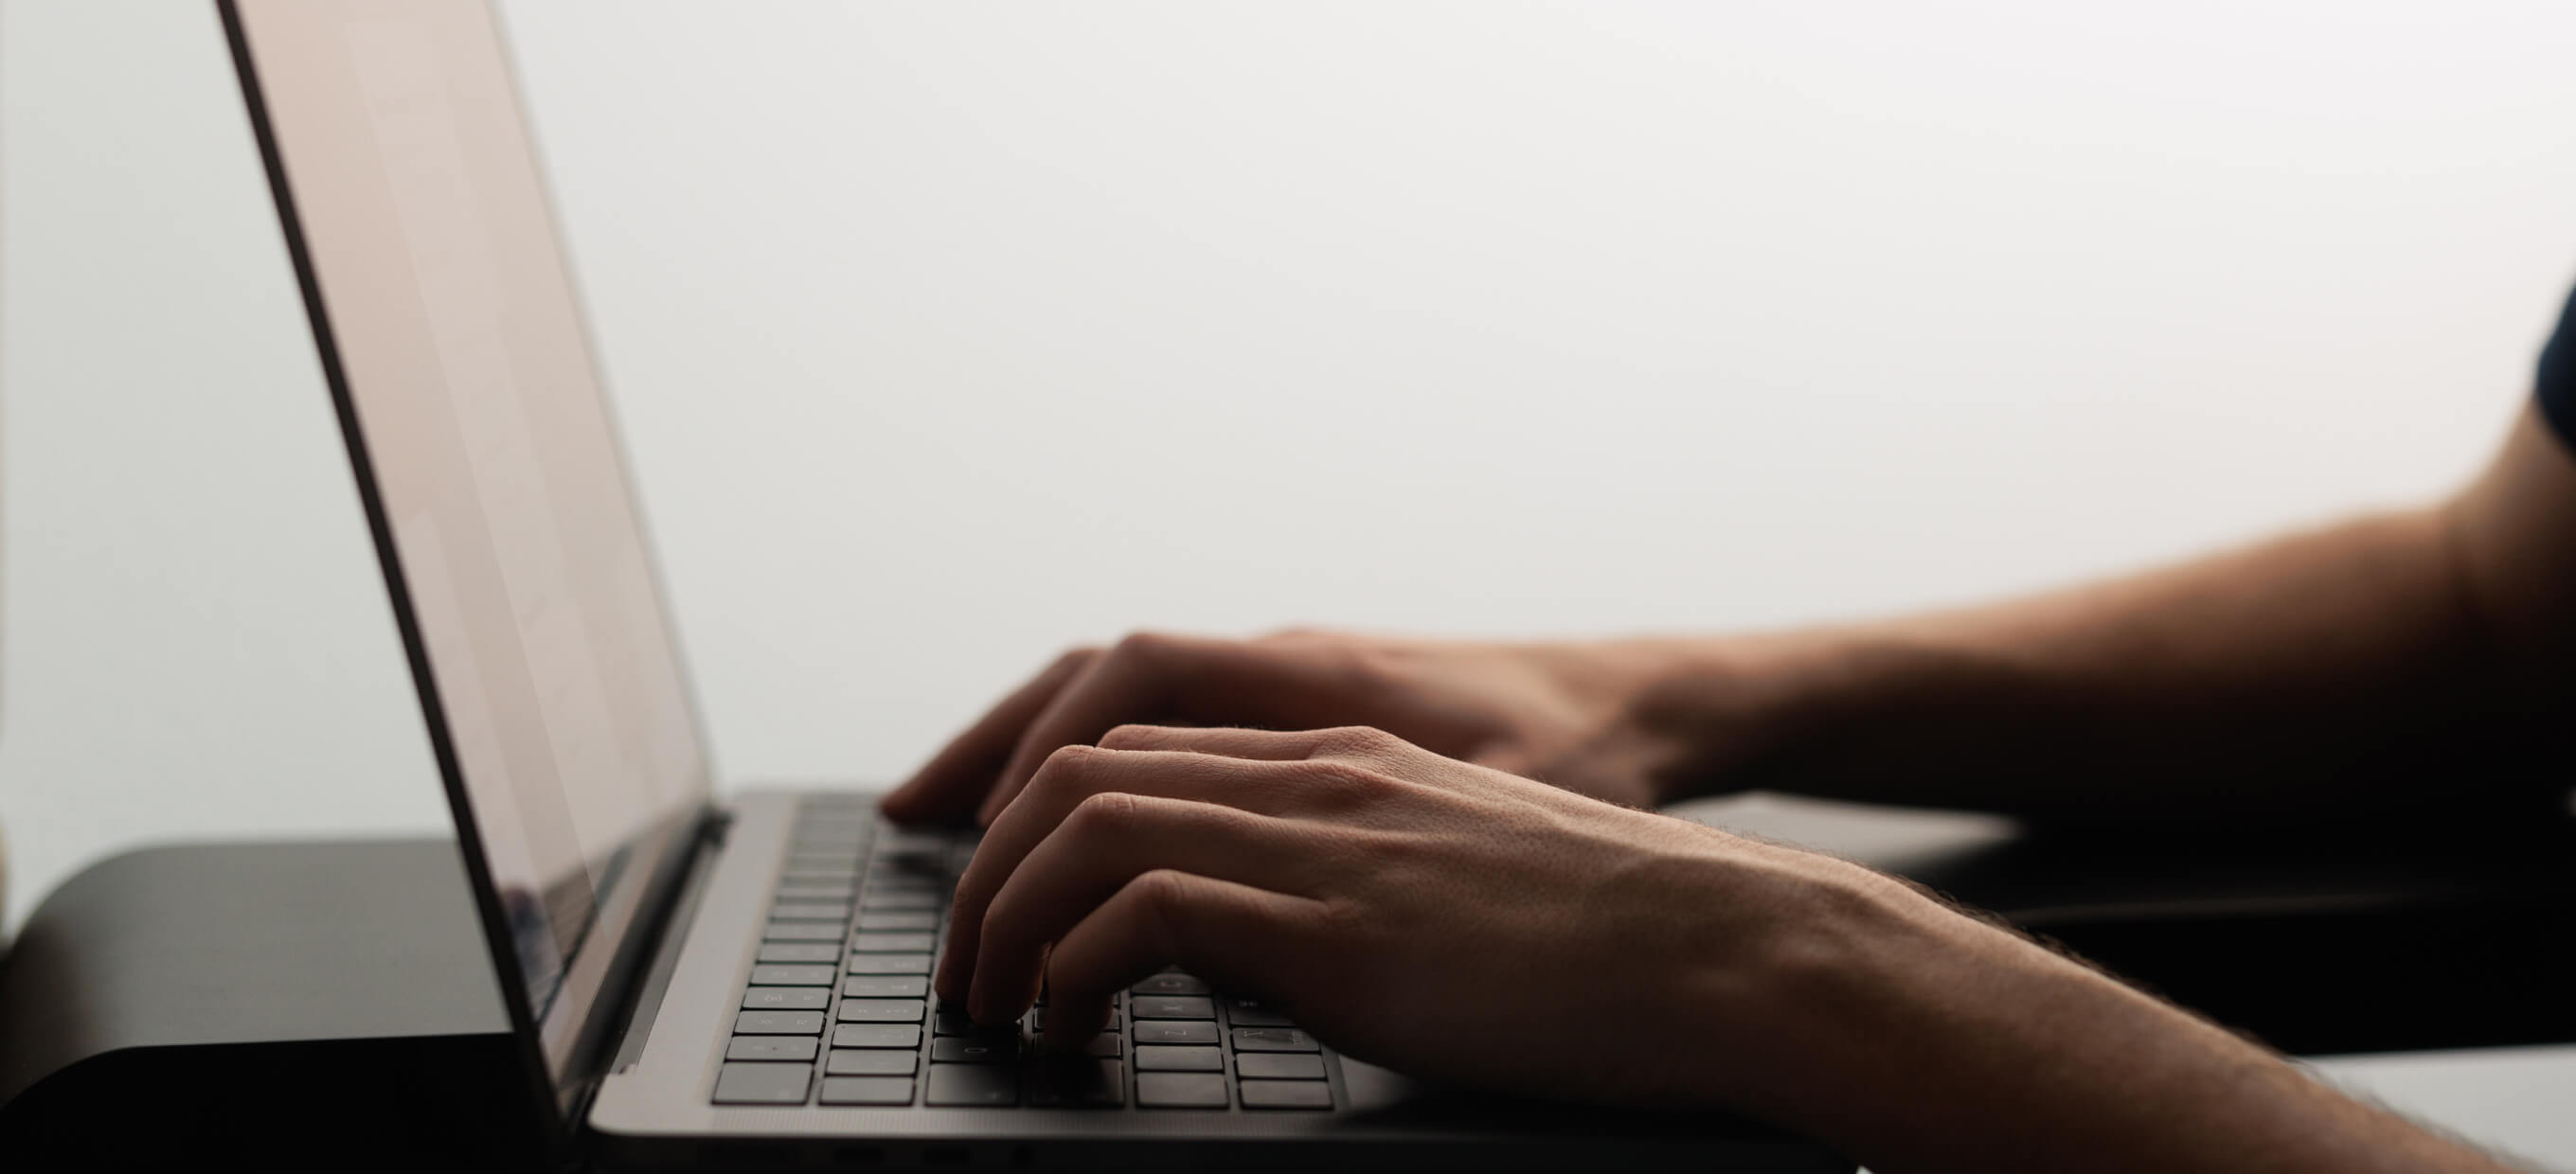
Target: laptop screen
pixel 451 336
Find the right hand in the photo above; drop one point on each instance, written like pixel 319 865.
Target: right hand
pixel 1548 711
pixel 1373 891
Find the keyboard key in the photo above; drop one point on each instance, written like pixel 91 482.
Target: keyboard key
pixel 1279 1066
pixel 877 1035
pixel 803 931
pixel 1150 1058
pixel 886 881
pixel 880 1011
pixel 950 1022
pixel 876 902
pixel 870 1062
pixel 1170 1007
pixel 778 1023
pixel 1077 1081
pixel 1170 984
pixel 1254 1013
pixel 975 1049
pixel 1038 1022
pixel 1286 1094
pixel 835 829
pixel 1098 1047
pixel 770 1047
pixel 1165 1031
pixel 884 922
pixel 785 998
pixel 1180 1090
pixel 1272 1039
pixel 810 911
pixel 811 863
pixel 866 1090
pixel 793 975
pixel 890 943
pixel 973 1084
pixel 885 986
pixel 816 892
pixel 889 963
pixel 898 839
pixel 1117 999
pixel 819 876
pixel 799 951
pixel 762 1084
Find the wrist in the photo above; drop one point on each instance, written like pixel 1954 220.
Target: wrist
pixel 1803 1000
pixel 1702 716
pixel 1909 1036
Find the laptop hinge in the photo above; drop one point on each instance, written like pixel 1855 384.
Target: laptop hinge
pixel 640 999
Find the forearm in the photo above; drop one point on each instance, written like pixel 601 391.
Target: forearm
pixel 2246 678
pixel 1917 1041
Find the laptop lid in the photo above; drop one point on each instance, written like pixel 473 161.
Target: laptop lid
pixel 490 470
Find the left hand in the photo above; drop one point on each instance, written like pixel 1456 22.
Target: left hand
pixel 1412 910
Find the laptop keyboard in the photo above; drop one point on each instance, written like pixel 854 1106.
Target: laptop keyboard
pixel 838 1010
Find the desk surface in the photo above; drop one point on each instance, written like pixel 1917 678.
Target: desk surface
pixel 2514 1100
pixel 2509 1100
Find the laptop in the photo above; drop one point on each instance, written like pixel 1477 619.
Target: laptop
pixel 693 981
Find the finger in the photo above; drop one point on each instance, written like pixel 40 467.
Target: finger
pixel 1222 741
pixel 1106 842
pixel 1150 677
pixel 1239 937
pixel 1074 774
pixel 965 769
pixel 1359 744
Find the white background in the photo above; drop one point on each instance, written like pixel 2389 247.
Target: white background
pixel 946 334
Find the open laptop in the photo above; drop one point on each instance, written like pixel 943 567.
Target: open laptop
pixel 693 982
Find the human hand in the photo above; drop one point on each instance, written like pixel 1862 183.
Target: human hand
pixel 1551 711
pixel 1431 915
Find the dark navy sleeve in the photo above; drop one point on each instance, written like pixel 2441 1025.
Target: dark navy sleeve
pixel 2558 378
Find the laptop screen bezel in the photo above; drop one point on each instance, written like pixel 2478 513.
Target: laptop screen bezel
pixel 662 853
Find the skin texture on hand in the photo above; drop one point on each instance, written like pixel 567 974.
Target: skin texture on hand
pixel 1463 924
pixel 1375 891
pixel 1544 710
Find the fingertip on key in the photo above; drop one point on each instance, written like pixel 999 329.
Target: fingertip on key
pixel 904 803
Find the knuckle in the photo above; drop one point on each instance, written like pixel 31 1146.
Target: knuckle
pixel 1155 899
pixel 1363 741
pixel 1346 783
pixel 1159 897
pixel 1068 770
pixel 1132 736
pixel 1144 646
pixel 1100 813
